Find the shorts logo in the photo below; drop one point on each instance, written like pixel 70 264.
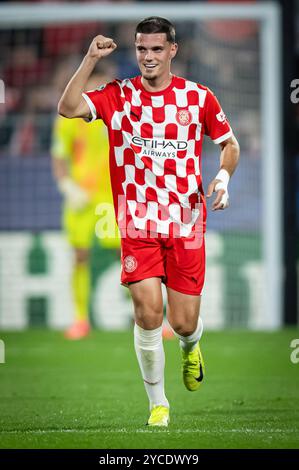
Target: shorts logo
pixel 183 117
pixel 130 264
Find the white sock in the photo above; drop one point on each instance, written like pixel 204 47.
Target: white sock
pixel 151 359
pixel 188 343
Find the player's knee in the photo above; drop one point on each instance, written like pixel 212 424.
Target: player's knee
pixel 148 317
pixel 181 328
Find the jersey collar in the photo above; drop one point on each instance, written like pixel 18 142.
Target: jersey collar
pixel 156 93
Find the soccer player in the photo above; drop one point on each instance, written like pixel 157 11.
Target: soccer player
pixel 80 156
pixel 156 124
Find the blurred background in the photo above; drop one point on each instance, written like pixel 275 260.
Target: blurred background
pixel 36 62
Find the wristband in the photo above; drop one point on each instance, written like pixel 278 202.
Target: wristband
pixel 223 176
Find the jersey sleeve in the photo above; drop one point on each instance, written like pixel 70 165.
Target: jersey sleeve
pixel 101 101
pixel 216 125
pixel 62 138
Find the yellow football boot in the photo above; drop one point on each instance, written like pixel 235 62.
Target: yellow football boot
pixel 193 368
pixel 159 416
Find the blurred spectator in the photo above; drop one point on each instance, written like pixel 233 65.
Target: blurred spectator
pixel 36 63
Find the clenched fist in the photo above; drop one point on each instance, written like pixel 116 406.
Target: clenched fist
pixel 101 47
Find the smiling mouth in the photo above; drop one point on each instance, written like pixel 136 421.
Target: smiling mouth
pixel 150 66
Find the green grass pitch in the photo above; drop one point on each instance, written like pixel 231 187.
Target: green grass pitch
pixel 89 394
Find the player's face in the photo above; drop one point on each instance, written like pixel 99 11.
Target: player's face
pixel 154 54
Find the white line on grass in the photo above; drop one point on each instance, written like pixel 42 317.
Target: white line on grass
pixel 131 431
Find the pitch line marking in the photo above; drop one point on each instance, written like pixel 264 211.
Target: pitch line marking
pixel 126 431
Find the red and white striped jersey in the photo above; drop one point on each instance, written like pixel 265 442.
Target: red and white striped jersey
pixel 155 149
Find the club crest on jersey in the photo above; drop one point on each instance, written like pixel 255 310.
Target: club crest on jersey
pixel 130 264
pixel 183 117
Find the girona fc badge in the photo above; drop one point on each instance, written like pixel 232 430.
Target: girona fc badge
pixel 130 264
pixel 183 117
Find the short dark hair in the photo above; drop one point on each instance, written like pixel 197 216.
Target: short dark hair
pixel 156 24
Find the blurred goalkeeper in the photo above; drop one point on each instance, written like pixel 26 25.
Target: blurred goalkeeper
pixel 80 156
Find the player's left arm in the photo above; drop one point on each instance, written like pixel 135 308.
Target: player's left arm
pixel 229 158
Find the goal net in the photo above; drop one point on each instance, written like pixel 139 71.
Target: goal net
pixel 233 49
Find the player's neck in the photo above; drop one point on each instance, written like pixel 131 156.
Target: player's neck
pixel 157 84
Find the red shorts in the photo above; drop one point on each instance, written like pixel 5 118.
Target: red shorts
pixel 180 262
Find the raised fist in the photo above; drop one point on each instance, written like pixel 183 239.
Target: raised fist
pixel 101 47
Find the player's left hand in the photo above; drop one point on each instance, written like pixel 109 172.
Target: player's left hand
pixel 222 199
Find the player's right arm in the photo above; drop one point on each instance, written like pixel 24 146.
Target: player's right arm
pixel 72 104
